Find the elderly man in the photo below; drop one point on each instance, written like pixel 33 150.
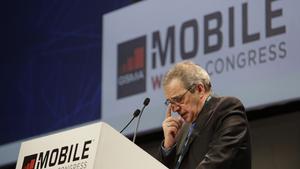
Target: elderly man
pixel 210 132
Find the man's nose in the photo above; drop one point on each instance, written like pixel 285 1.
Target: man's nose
pixel 175 108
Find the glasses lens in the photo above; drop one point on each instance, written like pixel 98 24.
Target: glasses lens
pixel 177 99
pixel 167 102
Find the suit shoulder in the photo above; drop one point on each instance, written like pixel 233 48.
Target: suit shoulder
pixel 230 99
pixel 230 104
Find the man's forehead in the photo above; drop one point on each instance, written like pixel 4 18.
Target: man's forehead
pixel 174 87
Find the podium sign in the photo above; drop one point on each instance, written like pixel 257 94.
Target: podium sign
pixel 74 149
pixel 94 146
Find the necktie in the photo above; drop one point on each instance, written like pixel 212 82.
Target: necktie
pixel 185 147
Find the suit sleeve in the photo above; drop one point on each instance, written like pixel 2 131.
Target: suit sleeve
pixel 167 157
pixel 230 136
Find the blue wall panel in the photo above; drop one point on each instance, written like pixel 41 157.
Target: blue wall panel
pixel 50 65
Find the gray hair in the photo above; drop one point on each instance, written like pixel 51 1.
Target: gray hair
pixel 188 73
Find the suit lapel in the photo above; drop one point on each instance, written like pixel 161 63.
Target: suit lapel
pixel 183 134
pixel 203 119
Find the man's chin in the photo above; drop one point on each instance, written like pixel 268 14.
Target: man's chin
pixel 187 119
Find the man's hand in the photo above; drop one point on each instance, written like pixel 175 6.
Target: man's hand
pixel 171 126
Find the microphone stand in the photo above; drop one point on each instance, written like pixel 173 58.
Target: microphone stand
pixel 146 102
pixel 137 125
pixel 135 114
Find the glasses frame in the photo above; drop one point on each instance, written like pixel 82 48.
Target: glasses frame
pixel 177 99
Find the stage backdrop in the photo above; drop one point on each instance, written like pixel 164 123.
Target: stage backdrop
pixel 50 67
pixel 249 48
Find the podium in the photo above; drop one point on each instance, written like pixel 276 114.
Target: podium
pixel 94 146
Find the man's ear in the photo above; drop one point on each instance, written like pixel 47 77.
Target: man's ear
pixel 200 88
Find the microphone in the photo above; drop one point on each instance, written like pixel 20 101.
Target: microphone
pixel 135 114
pixel 146 102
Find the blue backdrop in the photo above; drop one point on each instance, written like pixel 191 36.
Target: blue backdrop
pixel 50 65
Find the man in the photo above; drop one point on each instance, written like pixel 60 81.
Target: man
pixel 211 132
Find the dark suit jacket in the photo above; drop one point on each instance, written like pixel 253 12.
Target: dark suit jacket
pixel 220 138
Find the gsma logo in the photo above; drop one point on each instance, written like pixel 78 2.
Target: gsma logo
pixel 29 162
pixel 131 71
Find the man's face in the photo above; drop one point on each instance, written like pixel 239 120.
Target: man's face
pixel 182 101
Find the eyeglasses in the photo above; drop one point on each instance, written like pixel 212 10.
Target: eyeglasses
pixel 178 99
